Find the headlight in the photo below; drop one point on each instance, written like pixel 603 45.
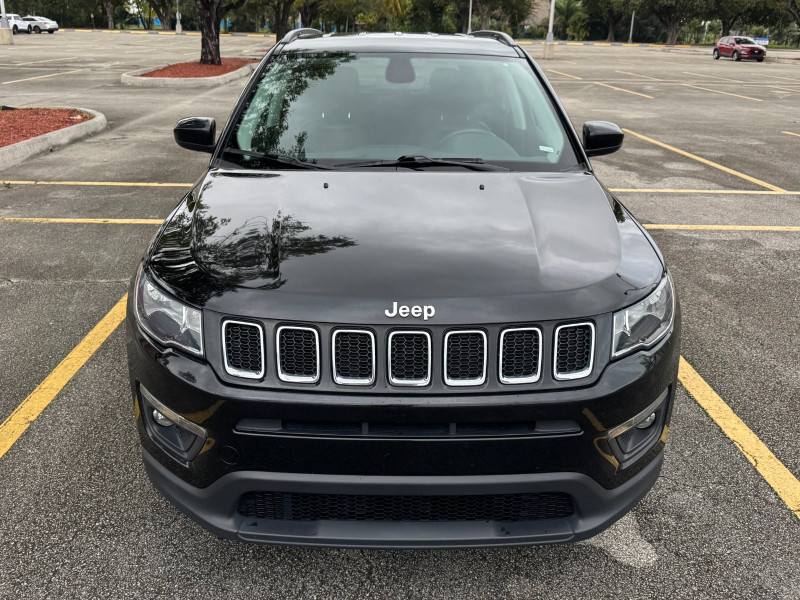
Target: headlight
pixel 646 322
pixel 169 321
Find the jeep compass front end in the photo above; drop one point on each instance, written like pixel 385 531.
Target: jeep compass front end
pixel 399 310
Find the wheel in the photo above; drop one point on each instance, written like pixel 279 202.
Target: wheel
pixel 15 30
pixel 37 29
pixel 736 55
pixel 716 54
pixel 29 29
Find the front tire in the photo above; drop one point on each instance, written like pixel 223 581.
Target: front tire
pixel 736 56
pixel 715 54
pixel 37 29
pixel 15 30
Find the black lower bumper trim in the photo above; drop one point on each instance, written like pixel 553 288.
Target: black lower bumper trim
pixel 215 507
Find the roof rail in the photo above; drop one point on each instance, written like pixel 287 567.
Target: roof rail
pixel 501 37
pixel 294 34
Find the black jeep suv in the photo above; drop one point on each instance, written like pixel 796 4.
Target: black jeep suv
pixel 399 309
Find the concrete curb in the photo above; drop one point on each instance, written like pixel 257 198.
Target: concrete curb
pixel 134 78
pixel 21 151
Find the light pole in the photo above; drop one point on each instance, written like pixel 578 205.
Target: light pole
pixel 6 35
pixel 630 35
pixel 469 20
pixel 549 44
pixel 178 26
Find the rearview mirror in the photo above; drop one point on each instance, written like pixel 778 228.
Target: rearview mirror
pixel 196 133
pixel 601 137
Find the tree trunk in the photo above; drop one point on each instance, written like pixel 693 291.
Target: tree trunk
pixel 209 29
pixel 109 7
pixel 308 13
pixel 611 24
pixel 673 29
pixel 280 12
pixel 726 27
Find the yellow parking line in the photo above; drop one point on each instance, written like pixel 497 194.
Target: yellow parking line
pixel 255 35
pixel 82 220
pixel 774 472
pixel 30 408
pixel 43 76
pixel 622 90
pixel 705 161
pixel 193 33
pixel 790 133
pixel 83 30
pixel 697 87
pixel 575 44
pixel 631 45
pixel 601 44
pixel 711 76
pixel 112 31
pixel 723 227
pixel 98 183
pixel 166 33
pixel 700 192
pixel 36 62
pixel 564 74
pixel 637 75
pixel 138 31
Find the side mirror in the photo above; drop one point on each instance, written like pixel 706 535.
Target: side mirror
pixel 196 133
pixel 601 137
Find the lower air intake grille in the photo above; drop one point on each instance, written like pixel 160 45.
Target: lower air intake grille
pixel 520 355
pixel 353 357
pixel 509 508
pixel 244 352
pixel 409 358
pixel 574 351
pixel 298 354
pixel 465 358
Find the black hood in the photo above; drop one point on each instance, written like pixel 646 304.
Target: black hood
pixel 343 246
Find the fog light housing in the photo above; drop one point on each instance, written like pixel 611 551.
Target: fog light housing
pixel 632 439
pixel 177 436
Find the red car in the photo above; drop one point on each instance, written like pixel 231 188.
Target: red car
pixel 739 48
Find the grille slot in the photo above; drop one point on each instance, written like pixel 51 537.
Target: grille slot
pixel 243 345
pixel 508 508
pixel 298 354
pixel 520 355
pixel 465 357
pixel 574 351
pixel 410 358
pixel 353 357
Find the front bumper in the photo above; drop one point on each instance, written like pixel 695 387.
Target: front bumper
pixel 230 462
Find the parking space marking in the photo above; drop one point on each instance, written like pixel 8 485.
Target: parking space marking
pixel 774 472
pixel 722 227
pixel 622 90
pixel 98 183
pixel 697 87
pixel 790 133
pixel 565 74
pixel 700 192
pixel 36 62
pixel 43 76
pixel 712 76
pixel 30 408
pixel 779 77
pixel 705 161
pixel 82 220
pixel 638 75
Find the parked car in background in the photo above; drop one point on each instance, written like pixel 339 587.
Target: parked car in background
pixel 16 24
pixel 34 24
pixel 49 26
pixel 738 48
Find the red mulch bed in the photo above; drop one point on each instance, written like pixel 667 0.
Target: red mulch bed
pixel 19 124
pixel 195 69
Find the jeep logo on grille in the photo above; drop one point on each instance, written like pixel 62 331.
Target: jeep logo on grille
pixel 426 312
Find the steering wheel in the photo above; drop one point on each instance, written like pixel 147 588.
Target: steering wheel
pixel 460 132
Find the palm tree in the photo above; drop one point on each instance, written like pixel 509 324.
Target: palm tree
pixel 570 19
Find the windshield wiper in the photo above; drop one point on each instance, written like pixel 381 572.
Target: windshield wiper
pixel 413 162
pixel 275 160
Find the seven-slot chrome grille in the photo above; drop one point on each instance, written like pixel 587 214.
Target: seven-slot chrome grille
pixel 407 357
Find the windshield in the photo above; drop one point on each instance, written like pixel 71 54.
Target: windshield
pixel 341 108
pixel 745 41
